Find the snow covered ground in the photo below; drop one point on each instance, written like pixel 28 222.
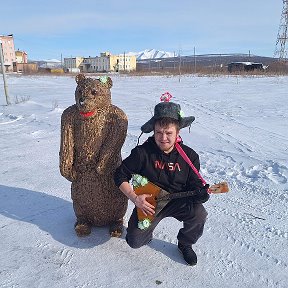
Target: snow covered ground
pixel 240 132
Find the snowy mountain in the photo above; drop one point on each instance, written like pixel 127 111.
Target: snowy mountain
pixel 48 63
pixel 152 54
pixel 142 55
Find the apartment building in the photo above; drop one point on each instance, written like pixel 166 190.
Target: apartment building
pixel 21 57
pixel 96 64
pixel 73 64
pixel 8 52
pixel 123 62
pixel 103 63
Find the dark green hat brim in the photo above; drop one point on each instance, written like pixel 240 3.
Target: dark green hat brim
pixel 183 122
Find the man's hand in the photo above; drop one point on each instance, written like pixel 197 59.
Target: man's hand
pixel 141 202
pixel 202 195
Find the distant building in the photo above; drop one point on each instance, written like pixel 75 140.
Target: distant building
pixel 123 62
pixel 96 64
pixel 21 65
pixel 72 64
pixel 21 57
pixel 245 66
pixel 25 68
pixel 8 52
pixel 103 63
pixel 15 61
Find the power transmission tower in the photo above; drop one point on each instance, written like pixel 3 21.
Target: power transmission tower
pixel 282 43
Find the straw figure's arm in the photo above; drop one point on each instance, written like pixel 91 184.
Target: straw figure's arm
pixel 66 154
pixel 114 137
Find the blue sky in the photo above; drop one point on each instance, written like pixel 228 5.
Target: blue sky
pixel 49 29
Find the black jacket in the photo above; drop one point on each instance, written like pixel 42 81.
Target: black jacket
pixel 169 171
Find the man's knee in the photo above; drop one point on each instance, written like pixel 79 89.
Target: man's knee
pixel 200 212
pixel 133 242
pixel 138 238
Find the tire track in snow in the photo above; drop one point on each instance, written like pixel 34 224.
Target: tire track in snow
pixel 61 257
pixel 247 214
pixel 250 258
pixel 226 261
pixel 16 120
pixel 220 131
pixel 9 118
pixel 242 223
pixel 243 196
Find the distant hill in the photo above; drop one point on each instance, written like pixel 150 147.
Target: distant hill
pixel 190 63
pixel 47 63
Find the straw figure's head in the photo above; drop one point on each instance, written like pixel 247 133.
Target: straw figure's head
pixel 92 94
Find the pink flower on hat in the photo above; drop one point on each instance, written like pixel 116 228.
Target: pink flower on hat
pixel 165 97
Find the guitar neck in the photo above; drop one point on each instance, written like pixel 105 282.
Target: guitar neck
pixel 221 187
pixel 177 195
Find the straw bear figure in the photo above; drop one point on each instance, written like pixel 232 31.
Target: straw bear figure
pixel 92 134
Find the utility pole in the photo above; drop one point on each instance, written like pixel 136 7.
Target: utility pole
pixel 194 60
pixel 179 65
pixel 124 62
pixel 4 75
pixel 174 64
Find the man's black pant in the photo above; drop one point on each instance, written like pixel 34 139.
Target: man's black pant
pixel 192 215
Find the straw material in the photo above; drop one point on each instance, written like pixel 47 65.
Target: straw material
pixel 90 152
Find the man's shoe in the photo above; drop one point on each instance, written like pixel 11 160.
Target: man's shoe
pixel 149 241
pixel 188 253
